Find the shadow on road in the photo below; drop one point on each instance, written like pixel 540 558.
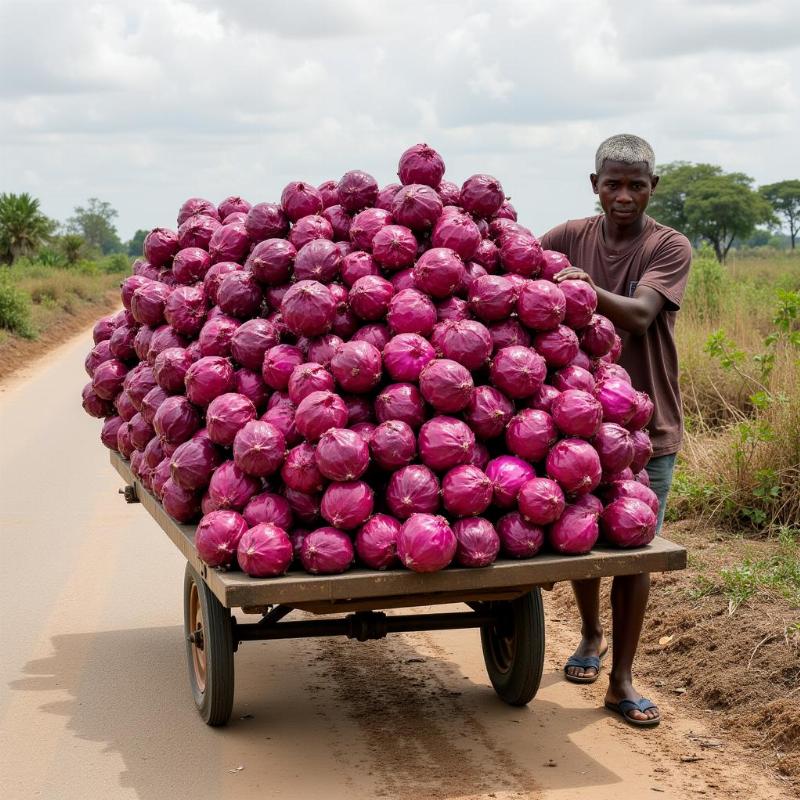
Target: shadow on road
pixel 395 718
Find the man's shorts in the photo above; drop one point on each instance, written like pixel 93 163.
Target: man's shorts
pixel 660 471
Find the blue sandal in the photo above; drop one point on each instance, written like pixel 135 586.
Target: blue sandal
pixel 624 707
pixel 584 662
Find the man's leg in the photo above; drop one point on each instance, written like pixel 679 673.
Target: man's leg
pixel 629 595
pixel 587 597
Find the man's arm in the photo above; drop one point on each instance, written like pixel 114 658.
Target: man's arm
pixel 633 314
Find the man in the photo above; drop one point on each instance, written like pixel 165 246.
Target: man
pixel 639 269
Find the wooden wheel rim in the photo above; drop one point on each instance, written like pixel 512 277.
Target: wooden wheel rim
pixel 195 624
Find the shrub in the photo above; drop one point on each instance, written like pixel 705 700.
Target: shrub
pixel 15 309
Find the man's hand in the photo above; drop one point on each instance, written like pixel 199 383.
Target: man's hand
pixel 574 274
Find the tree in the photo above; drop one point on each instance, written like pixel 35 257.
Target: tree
pixel 96 224
pixel 72 246
pixel 721 208
pixel 784 197
pixel 668 204
pixel 23 227
pixel 136 244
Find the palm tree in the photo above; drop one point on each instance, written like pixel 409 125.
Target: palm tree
pixel 72 246
pixel 23 227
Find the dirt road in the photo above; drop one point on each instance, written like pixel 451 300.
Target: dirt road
pixel 94 701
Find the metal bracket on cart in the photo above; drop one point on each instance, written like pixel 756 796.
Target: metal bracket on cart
pixel 129 492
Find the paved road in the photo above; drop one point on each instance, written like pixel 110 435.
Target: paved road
pixel 94 701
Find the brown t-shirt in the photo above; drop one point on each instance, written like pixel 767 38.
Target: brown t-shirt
pixel 660 258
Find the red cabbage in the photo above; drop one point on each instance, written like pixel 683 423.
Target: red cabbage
pixel 181 505
pixel 426 543
pixel 405 355
pixel 577 413
pixel 575 464
pixel 266 221
pixel 300 199
pixel 411 490
pixel 394 247
pixel 521 254
pixel 615 447
pixel 541 501
pixel 264 551
pixel 468 342
pixel 193 463
pixel 416 206
pixel 356 190
pixel 365 226
pixel 326 551
pixel 581 303
pixel 421 164
pixel 518 371
pixel 231 488
pixel 250 342
pixel 357 366
pixel 217 537
pixel 318 412
pixel 207 378
pixel 597 338
pixel 308 308
pixel 457 232
pixel 176 420
pixel 574 532
pixel 410 311
pixel 573 377
pixel 508 474
pixel 393 444
pixel 628 522
pixel 370 296
pixel 342 455
pixel 268 507
pixel 446 385
pixel 307 378
pixel 492 297
pixel 481 195
pixel 376 541
pixel 401 401
pixel 258 446
pixel 467 491
pixel 518 537
pixel 488 412
pixel 478 542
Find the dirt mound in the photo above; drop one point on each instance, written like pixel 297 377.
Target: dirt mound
pixel 739 664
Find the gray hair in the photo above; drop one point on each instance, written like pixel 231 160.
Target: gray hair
pixel 628 149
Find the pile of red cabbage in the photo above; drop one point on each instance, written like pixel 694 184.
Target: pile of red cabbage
pixel 384 376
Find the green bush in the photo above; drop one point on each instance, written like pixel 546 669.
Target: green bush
pixel 15 309
pixel 704 292
pixel 115 263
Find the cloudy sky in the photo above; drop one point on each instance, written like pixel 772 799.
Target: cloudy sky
pixel 146 102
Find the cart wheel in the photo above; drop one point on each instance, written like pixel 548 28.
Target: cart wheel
pixel 513 647
pixel 209 649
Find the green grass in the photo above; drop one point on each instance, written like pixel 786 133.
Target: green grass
pixel 35 293
pixel 777 574
pixel 740 465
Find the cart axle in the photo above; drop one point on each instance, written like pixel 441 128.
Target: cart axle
pixel 363 625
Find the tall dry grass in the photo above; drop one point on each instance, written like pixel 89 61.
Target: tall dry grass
pixel 741 459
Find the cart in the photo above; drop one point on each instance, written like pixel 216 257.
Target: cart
pixel 504 602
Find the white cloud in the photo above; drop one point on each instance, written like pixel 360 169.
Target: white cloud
pixel 144 103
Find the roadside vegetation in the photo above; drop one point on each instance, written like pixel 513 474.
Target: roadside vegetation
pixel 54 278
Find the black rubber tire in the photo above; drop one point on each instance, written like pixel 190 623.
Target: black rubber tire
pixel 214 700
pixel 513 648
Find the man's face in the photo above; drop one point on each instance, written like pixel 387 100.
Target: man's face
pixel 624 190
